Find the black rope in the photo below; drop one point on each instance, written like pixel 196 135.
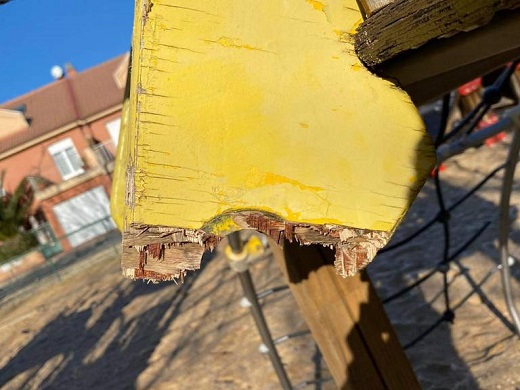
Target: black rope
pixel 411 286
pixel 471 240
pixel 477 187
pixel 478 118
pixel 490 96
pixel 450 282
pixel 476 289
pixel 425 333
pixel 449 315
pixel 445 113
pixel 437 267
pixel 462 124
pixel 444 218
pixel 452 207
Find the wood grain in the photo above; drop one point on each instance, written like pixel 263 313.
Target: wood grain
pixel 347 320
pixel 269 112
pixel 369 7
pixel 405 25
pixel 442 65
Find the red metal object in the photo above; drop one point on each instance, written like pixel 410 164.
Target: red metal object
pixel 440 168
pixel 468 88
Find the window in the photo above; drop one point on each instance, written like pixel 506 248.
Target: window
pixel 113 129
pixel 66 158
pixel 85 216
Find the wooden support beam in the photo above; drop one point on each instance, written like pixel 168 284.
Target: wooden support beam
pixel 260 120
pixel 369 7
pixel 406 24
pixel 442 65
pixel 347 320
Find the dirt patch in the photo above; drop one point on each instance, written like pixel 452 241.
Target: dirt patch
pixel 20 265
pixel 96 330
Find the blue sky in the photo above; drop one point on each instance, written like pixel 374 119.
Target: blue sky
pixel 37 34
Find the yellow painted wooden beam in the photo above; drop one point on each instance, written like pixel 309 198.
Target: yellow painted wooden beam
pixel 247 114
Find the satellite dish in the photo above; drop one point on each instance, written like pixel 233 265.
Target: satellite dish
pixel 57 72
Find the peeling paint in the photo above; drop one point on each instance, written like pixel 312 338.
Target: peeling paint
pixel 147 6
pixel 130 185
pixel 318 6
pixel 229 42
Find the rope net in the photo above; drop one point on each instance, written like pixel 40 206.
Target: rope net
pixel 490 96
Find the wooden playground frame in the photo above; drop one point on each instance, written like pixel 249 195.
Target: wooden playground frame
pixel 400 40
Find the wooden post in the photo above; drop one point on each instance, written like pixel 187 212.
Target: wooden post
pixel 347 320
pixel 259 115
pixel 260 120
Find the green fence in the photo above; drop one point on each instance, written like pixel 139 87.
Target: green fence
pixel 50 245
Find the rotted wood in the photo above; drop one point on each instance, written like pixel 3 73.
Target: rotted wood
pixel 347 320
pixel 259 120
pixel 406 24
pixel 164 253
pixel 442 65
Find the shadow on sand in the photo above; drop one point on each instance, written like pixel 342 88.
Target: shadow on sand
pixel 87 348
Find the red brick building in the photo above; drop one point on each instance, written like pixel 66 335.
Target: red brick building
pixel 62 137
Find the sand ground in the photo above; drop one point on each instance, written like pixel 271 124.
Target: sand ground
pixel 96 330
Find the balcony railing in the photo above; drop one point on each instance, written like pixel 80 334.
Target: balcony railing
pixel 97 160
pixel 104 153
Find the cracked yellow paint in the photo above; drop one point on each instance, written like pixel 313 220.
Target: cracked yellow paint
pixel 316 5
pixel 294 125
pixel 228 42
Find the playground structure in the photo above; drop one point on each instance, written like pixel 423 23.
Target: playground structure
pixel 233 123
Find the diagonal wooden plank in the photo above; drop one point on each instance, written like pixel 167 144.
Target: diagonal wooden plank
pixel 405 24
pixel 442 65
pixel 347 320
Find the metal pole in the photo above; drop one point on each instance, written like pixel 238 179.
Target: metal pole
pixel 235 242
pixel 503 236
pixel 451 149
pixel 238 262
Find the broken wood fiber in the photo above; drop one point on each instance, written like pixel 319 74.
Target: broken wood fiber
pixel 259 115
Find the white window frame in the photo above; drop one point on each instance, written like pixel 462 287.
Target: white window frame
pixel 61 146
pixel 114 128
pixel 85 216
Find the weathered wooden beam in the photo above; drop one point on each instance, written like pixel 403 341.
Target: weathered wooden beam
pixel 369 7
pixel 406 24
pixel 444 64
pixel 347 320
pixel 260 120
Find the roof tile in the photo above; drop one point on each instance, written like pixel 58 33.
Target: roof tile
pixel 51 107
